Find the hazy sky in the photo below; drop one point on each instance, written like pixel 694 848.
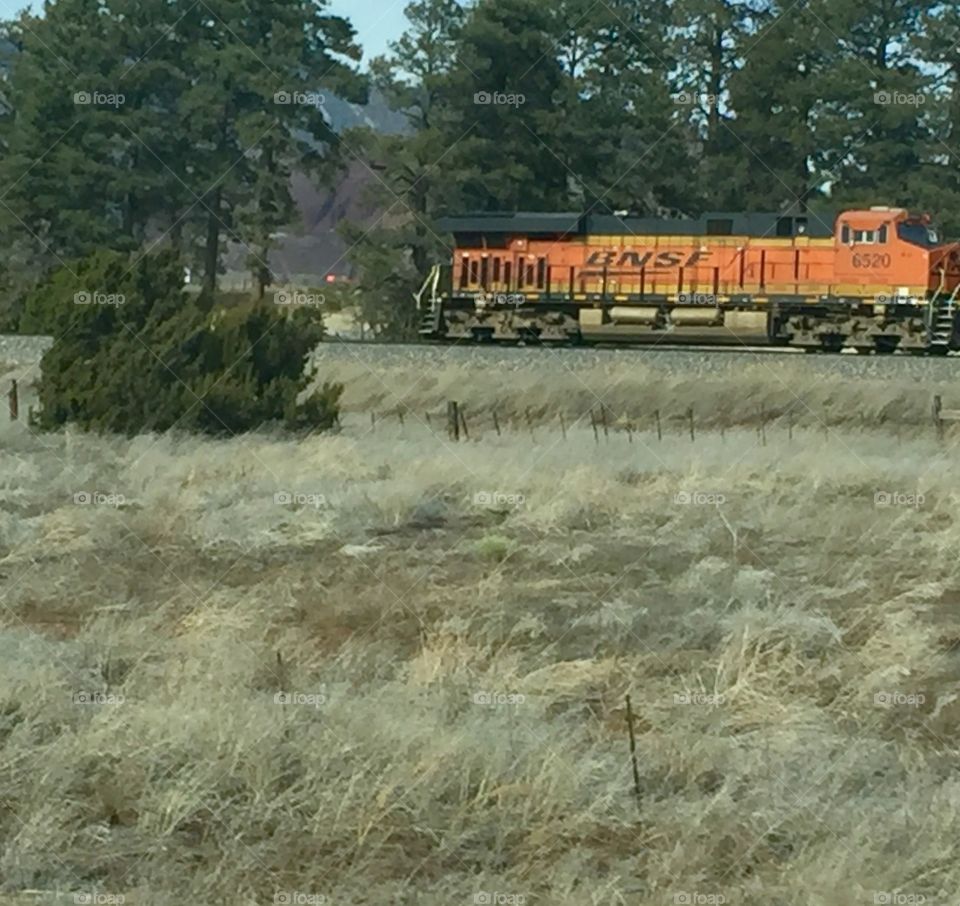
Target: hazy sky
pixel 376 21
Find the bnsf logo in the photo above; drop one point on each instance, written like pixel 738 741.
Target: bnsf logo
pixel 638 259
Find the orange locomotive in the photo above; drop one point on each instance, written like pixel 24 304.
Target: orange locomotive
pixel 871 280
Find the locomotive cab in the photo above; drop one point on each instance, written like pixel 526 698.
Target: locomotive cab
pixel 890 252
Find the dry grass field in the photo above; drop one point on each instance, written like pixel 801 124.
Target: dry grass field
pixel 723 387
pixel 378 668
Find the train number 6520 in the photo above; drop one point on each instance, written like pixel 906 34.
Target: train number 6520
pixel 874 261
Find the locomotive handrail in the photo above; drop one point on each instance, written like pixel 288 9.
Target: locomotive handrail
pixel 928 315
pixel 432 281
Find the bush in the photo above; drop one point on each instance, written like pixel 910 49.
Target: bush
pixel 133 352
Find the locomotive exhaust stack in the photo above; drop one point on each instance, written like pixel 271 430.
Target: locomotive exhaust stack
pixel 874 280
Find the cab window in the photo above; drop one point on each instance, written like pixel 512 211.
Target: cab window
pixel 917 234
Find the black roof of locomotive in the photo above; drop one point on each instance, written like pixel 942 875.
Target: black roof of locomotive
pixel 817 224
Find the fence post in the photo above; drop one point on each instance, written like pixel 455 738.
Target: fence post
pixel 937 420
pixel 463 424
pixel 633 754
pixel 496 422
pixel 14 402
pixel 656 415
pixel 563 426
pixel 693 435
pixel 453 420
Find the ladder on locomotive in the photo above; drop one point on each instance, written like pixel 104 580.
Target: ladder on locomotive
pixel 428 304
pixel 942 315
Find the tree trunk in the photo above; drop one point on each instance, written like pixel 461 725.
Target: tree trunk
pixel 261 272
pixel 716 85
pixel 176 232
pixel 211 251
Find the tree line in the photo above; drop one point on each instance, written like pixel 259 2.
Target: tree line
pixel 650 106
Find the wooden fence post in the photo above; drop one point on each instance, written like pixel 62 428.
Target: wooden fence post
pixel 593 424
pixel 453 420
pixel 937 420
pixel 656 415
pixel 14 402
pixel 603 420
pixel 563 426
pixel 496 422
pixel 633 754
pixel 693 435
pixel 463 424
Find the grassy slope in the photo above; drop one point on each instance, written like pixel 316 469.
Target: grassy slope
pixel 722 388
pixel 397 599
